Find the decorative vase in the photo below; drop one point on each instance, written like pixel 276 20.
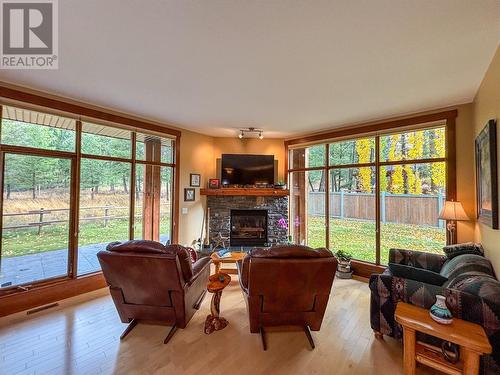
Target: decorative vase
pixel 439 311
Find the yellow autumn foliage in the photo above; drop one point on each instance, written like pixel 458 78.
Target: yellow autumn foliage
pixel 438 170
pixel 364 150
pixel 397 182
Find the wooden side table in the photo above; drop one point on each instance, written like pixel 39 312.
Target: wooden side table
pixel 216 283
pixel 235 256
pixel 469 336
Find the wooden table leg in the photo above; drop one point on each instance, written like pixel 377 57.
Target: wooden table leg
pixel 409 342
pixel 471 362
pixel 214 322
pixel 215 304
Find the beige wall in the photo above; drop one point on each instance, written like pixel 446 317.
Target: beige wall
pixel 198 155
pixel 486 106
pixel 465 170
pixel 257 146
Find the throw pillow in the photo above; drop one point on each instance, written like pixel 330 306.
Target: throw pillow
pixel 452 251
pixel 417 274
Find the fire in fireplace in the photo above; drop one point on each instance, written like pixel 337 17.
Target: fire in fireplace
pixel 248 228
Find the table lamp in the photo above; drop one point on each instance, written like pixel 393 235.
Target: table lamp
pixel 452 212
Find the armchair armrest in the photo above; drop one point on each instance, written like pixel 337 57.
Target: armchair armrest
pixel 198 267
pixel 419 259
pixel 243 274
pixel 397 289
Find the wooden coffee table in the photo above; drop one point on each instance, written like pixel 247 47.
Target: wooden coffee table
pixel 235 256
pixel 469 336
pixel 216 283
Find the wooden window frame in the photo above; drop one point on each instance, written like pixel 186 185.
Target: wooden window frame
pixel 446 119
pixel 45 291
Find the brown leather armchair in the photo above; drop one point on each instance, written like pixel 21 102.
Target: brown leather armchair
pixel 150 281
pixel 286 285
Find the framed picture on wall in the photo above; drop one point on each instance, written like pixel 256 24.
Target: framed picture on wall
pixel 486 175
pixel 194 180
pixel 189 195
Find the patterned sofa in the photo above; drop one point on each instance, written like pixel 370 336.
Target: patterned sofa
pixel 472 293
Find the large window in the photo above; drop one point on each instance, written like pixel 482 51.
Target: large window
pixel 375 201
pixel 71 187
pixel 35 218
pixel 104 208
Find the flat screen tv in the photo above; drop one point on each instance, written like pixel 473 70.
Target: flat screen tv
pixel 247 169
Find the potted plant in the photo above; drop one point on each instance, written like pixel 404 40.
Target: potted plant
pixel 344 267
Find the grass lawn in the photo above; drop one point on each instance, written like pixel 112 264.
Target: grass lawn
pixel 55 237
pixel 358 237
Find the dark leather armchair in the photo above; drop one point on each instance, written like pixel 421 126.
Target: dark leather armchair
pixel 150 281
pixel 287 285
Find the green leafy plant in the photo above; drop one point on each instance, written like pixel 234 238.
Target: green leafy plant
pixel 343 256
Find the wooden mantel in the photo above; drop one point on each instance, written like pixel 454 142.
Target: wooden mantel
pixel 259 192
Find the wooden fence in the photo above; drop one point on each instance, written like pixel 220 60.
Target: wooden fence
pixel 394 208
pixel 41 216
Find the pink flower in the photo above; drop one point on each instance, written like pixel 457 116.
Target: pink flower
pixel 282 223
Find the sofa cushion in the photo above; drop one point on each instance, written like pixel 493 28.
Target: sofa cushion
pixel 452 251
pixel 290 251
pixel 467 263
pixel 419 259
pixel 417 274
pixel 481 285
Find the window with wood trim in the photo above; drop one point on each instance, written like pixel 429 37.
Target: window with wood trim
pixel 70 187
pixel 366 194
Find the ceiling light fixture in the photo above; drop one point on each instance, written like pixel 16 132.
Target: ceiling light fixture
pixel 258 132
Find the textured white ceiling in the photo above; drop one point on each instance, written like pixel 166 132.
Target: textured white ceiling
pixel 286 66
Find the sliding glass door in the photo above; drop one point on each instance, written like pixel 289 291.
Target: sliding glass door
pixel 35 218
pixel 104 209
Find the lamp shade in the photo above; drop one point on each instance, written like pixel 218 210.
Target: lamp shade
pixel 453 211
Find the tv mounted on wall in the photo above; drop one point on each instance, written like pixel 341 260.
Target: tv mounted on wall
pixel 240 169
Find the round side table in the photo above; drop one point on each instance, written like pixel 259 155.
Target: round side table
pixel 216 283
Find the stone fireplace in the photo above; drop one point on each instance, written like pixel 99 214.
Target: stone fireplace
pixel 248 220
pixel 248 227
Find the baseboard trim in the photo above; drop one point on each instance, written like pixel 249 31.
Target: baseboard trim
pixel 46 294
pixel 365 269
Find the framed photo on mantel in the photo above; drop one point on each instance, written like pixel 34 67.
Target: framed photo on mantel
pixel 486 175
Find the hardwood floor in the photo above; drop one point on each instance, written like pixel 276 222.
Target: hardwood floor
pixel 82 337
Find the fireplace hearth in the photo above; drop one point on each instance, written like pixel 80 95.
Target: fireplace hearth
pixel 248 228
